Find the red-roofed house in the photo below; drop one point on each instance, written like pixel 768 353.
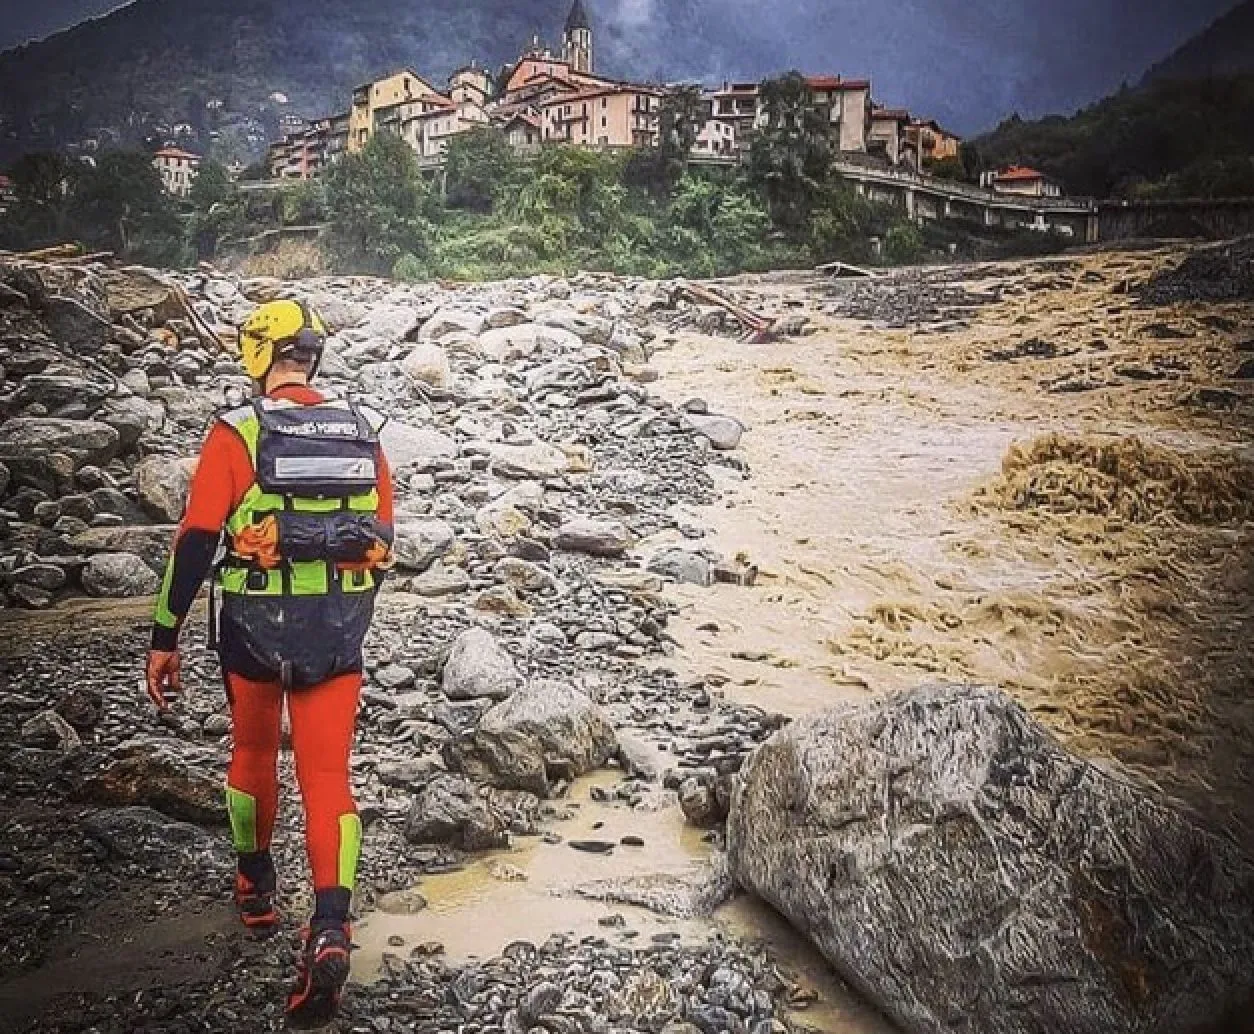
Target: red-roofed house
pixel 1019 179
pixel 178 169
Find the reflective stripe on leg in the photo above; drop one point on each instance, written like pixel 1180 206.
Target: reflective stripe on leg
pixel 242 808
pixel 350 849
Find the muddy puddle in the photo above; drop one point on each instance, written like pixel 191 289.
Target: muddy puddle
pixel 530 892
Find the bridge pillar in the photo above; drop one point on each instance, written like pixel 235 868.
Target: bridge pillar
pixel 911 203
pixel 1092 229
pixel 949 209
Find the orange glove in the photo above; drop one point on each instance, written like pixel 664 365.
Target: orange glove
pixel 379 555
pixel 163 675
pixel 259 543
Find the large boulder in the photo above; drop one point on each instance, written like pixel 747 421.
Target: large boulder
pixel 84 441
pixel 149 542
pixel 545 732
pixel 966 873
pixel 450 810
pixel 478 667
pixel 420 542
pixel 163 483
pixel 119 575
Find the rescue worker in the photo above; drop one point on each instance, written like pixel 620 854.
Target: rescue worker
pixel 291 508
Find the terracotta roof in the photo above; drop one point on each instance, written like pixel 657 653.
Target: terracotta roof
pixel 583 95
pixel 177 152
pixel 896 114
pixel 835 82
pixel 1020 173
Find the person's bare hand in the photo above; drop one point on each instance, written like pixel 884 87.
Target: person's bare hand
pixel 162 677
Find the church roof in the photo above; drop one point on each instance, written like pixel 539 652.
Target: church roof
pixel 578 17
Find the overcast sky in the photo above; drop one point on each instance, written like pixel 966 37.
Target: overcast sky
pixel 969 62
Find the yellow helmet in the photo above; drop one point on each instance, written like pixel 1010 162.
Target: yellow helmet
pixel 277 330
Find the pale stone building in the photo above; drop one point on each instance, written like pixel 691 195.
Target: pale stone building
pixel 887 135
pixel 376 105
pixel 178 169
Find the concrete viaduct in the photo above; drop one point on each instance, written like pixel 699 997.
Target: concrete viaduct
pixel 1082 219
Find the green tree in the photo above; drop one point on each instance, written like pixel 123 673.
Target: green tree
pixel 43 182
pixel 375 206
pixel 212 185
pixel 120 205
pixel 478 166
pixel 790 157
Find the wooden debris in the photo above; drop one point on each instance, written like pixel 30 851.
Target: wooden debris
pixel 757 329
pixel 843 269
pixel 736 573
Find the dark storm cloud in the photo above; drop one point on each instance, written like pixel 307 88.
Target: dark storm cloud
pixel 967 62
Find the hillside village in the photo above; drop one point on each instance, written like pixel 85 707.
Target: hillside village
pixel 556 96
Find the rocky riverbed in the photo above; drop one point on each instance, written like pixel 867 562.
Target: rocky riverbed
pixel 633 547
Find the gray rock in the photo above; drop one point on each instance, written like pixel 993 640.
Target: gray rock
pixel 596 537
pixel 119 575
pixel 450 320
pixel 50 731
pixel 419 543
pixel 478 667
pixel 592 329
pixel 131 417
pixel 57 390
pixel 147 837
pixel 965 872
pixel 547 730
pixel 701 803
pixel 440 580
pixel 449 810
pixel 683 566
pixel 76 323
pixel 394 676
pixel 48 577
pixel 163 483
pixel 85 441
pixel 723 431
pixel 406 445
pixel 539 460
pixel 639 757
pixel 429 364
pixel 506 344
pixel 149 542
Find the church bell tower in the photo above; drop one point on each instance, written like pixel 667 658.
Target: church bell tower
pixel 577 39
